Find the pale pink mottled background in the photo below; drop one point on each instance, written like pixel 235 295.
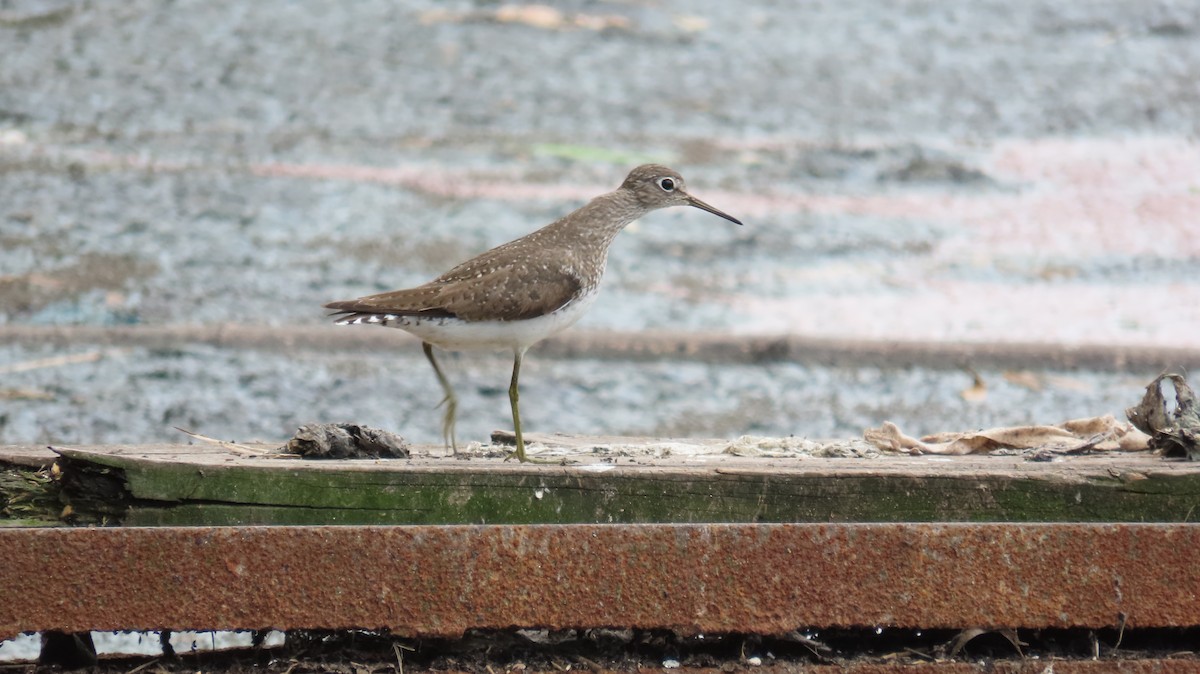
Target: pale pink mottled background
pixel 1073 203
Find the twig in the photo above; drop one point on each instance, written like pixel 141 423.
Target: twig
pixel 242 450
pixel 400 656
pixel 1121 631
pixel 919 654
pixel 53 361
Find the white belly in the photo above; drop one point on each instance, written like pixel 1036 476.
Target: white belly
pixel 458 335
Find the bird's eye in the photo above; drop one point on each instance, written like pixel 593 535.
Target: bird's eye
pixel 667 184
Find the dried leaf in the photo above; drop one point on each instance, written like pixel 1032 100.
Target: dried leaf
pixel 961 639
pixel 890 438
pixel 1175 433
pixel 956 644
pixel 1096 433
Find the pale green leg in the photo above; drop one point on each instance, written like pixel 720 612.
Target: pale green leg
pixel 450 401
pixel 513 398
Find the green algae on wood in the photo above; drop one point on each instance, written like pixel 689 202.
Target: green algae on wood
pixel 201 486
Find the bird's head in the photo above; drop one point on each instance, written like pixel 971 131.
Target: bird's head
pixel 656 186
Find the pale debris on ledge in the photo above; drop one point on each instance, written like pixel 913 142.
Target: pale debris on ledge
pixel 557 445
pixel 1039 442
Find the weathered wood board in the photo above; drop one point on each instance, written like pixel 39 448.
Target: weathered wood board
pixel 615 480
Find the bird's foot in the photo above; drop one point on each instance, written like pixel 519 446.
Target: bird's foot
pixel 520 455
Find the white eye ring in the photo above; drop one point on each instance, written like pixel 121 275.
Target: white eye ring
pixel 667 184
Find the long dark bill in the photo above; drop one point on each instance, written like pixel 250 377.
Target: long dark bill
pixel 693 201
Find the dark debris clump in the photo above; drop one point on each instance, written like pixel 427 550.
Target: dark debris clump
pixel 1174 432
pixel 345 441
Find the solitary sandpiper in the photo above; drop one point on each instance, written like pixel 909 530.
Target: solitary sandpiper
pixel 520 293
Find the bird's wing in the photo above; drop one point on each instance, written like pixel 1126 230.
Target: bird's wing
pixel 477 293
pixel 419 301
pixel 511 293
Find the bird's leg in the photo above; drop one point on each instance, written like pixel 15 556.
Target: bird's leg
pixel 513 398
pixel 450 401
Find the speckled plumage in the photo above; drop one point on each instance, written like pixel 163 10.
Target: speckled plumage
pixel 517 294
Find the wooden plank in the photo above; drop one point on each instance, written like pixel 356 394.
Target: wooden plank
pixel 677 482
pixel 27 456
